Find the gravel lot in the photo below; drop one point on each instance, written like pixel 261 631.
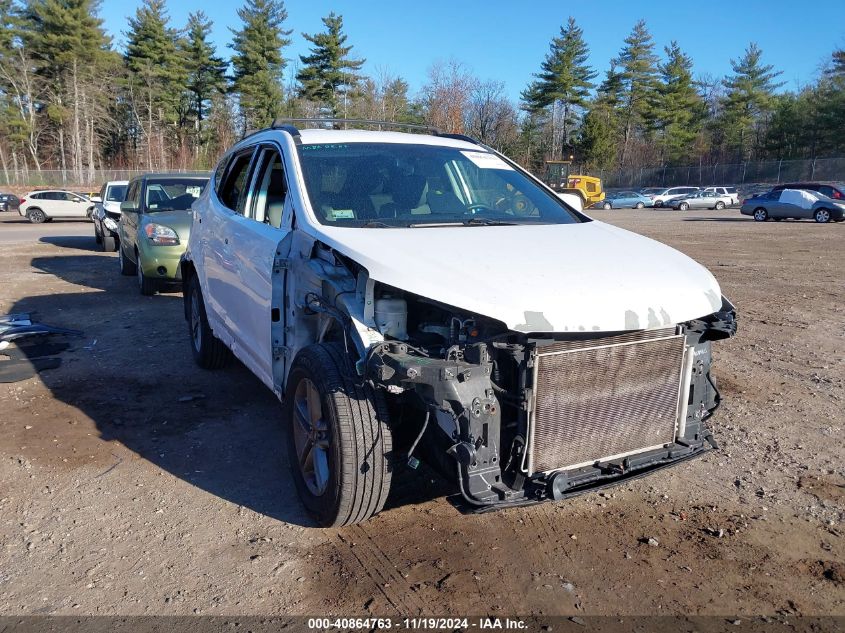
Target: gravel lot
pixel 133 483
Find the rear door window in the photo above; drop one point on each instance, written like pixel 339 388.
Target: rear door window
pixel 232 192
pixel 267 199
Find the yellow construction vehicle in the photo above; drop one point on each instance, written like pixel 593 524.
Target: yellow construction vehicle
pixel 588 188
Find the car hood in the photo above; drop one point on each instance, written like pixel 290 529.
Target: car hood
pixel 544 278
pixel 179 221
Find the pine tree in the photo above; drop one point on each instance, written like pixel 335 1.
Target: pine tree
pixel 750 95
pixel 678 111
pixel 258 62
pixel 69 47
pixel 328 72
pixel 206 73
pixel 565 79
pixel 600 133
pixel 153 58
pixel 638 75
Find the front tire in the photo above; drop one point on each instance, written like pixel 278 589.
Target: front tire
pixel 639 205
pixel 147 286
pixel 822 216
pixel 339 441
pixel 720 205
pixel 109 243
pixel 208 351
pixel 761 215
pixel 683 206
pixel 36 216
pixel 607 206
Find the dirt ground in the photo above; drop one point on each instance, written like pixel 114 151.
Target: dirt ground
pixel 133 483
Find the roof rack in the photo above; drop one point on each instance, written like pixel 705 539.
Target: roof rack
pixel 338 124
pixel 289 126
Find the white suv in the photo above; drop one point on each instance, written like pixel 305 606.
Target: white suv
pixel 408 294
pixel 725 192
pixel 43 206
pixel 661 198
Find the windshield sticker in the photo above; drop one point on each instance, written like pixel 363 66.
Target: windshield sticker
pixel 343 214
pixel 485 160
pixel 194 191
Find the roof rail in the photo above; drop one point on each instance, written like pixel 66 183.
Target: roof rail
pixel 460 137
pixel 336 123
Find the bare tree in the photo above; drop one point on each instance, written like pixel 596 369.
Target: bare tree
pixel 446 96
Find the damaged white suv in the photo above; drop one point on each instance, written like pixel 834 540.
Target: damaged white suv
pixel 420 294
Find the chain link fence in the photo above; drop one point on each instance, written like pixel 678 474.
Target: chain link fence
pixel 767 171
pixel 770 171
pixel 92 179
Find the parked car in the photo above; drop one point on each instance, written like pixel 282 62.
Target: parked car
pixel 666 195
pixel 383 281
pixel 625 199
pixel 107 213
pixel 8 202
pixel 833 190
pixel 154 226
pixel 725 192
pixel 44 206
pixel 797 204
pixel 701 200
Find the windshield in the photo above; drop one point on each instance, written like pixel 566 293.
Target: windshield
pixel 116 193
pixel 172 194
pixel 401 185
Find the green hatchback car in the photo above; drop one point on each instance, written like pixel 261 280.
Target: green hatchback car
pixel 155 222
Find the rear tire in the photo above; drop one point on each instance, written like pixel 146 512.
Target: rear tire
pixel 761 215
pixel 36 216
pixel 127 268
pixel 822 216
pixel 339 441
pixel 108 243
pixel 208 351
pixel 683 206
pixel 607 206
pixel 639 205
pixel 97 237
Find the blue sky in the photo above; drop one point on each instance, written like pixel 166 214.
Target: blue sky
pixel 507 40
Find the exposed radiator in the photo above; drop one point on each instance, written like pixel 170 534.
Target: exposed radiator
pixel 604 398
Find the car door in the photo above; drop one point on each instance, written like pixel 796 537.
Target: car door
pixel 255 234
pixel 77 206
pixel 52 204
pixel 129 220
pixel 221 288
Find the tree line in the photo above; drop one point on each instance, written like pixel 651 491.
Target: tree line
pixel 170 100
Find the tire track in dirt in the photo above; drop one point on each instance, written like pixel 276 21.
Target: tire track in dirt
pixel 380 570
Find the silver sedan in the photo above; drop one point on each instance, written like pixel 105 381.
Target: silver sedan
pixel 701 200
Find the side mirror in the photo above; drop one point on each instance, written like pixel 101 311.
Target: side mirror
pixel 129 206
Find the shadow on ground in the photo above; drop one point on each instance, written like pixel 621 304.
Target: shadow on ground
pixel 133 374
pixel 78 242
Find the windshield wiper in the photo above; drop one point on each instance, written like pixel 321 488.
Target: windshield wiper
pixel 375 224
pixel 487 222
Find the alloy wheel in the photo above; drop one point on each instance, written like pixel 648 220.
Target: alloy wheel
pixel 822 216
pixel 760 215
pixel 311 437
